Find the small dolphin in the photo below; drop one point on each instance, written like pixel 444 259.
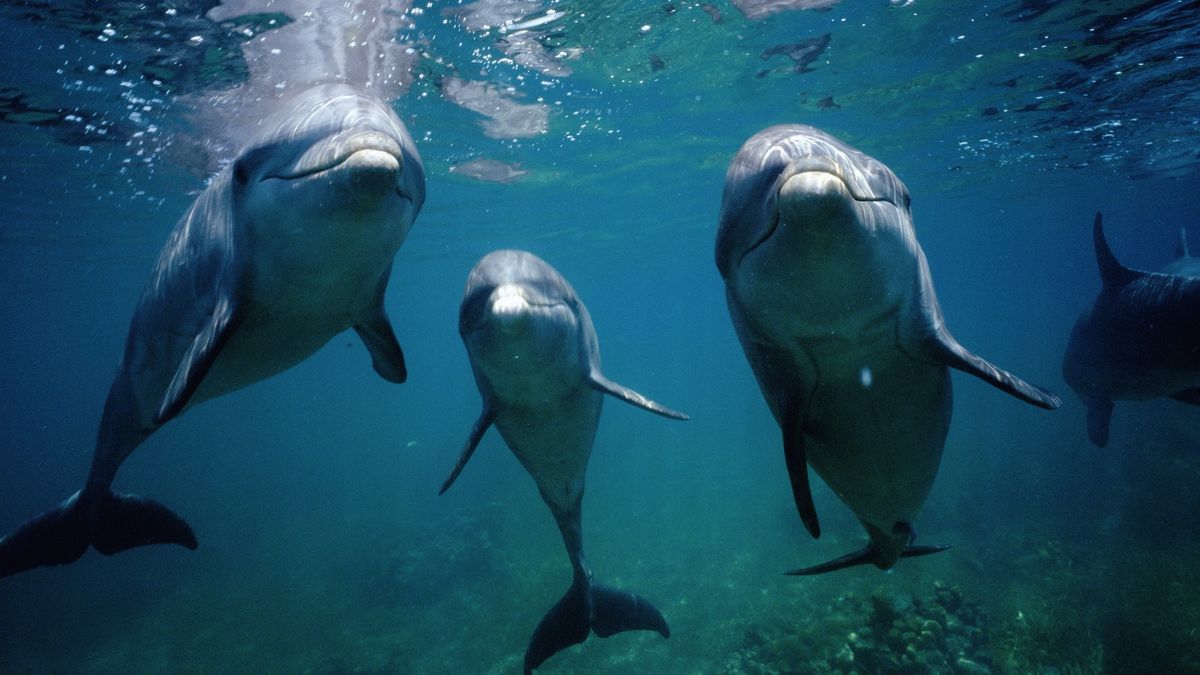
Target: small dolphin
pixel 537 365
pixel 1139 340
pixel 288 246
pixel 1184 264
pixel 832 299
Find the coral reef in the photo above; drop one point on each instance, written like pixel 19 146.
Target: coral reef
pixel 884 632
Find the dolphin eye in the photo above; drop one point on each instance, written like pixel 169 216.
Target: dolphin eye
pixel 239 173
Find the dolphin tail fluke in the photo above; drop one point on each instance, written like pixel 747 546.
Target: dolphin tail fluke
pixel 617 611
pixel 109 522
pixel 587 607
pixel 1099 413
pixel 57 537
pixel 564 625
pixel 125 521
pixel 869 554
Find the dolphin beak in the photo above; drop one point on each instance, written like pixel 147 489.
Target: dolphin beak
pixel 811 194
pixel 509 309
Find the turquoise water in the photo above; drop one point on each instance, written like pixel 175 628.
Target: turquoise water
pixel 323 544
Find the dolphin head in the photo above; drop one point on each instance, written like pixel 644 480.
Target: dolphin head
pixel 337 156
pixel 518 313
pixel 798 190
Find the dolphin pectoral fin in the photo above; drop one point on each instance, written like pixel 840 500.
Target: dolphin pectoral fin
pixel 200 356
pixel 481 426
pixel 797 467
pixel 125 521
pixel 947 350
pixel 1099 413
pixel 1191 396
pixel 601 383
pixel 386 356
pixel 869 554
pixel 564 625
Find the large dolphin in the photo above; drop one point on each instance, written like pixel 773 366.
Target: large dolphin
pixel 1139 340
pixel 832 299
pixel 288 246
pixel 537 365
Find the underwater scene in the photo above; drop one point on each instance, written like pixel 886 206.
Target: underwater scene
pixel 600 336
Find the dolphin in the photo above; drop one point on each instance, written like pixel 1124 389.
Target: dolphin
pixel 1184 264
pixel 537 365
pixel 831 297
pixel 291 244
pixel 1139 340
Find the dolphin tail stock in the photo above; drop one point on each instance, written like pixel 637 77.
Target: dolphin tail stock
pixel 107 521
pixel 588 607
pixel 604 385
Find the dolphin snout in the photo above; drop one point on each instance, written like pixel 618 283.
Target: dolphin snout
pixel 810 193
pixel 510 309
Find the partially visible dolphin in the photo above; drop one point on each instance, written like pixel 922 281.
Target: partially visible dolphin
pixel 1184 264
pixel 537 365
pixel 833 302
pixel 288 246
pixel 1140 339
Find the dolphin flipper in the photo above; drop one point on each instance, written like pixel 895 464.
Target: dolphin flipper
pixel 61 535
pixel 587 607
pixel 481 426
pixel 946 349
pixel 386 356
pixel 601 383
pixel 222 322
pixel 375 330
pixel 797 467
pixel 1099 412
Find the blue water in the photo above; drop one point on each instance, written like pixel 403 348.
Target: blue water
pixel 323 544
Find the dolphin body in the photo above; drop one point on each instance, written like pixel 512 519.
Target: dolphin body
pixel 537 365
pixel 832 299
pixel 291 244
pixel 1139 340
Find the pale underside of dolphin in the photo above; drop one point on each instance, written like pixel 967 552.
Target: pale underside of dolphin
pixel 537 365
pixel 1140 338
pixel 832 299
pixel 288 246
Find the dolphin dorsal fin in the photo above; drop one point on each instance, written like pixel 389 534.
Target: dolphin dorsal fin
pixel 1181 250
pixel 1112 272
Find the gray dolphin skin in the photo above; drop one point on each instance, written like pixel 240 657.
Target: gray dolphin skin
pixel 1139 340
pixel 833 302
pixel 537 365
pixel 288 246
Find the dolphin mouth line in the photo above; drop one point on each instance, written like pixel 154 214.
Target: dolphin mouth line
pixel 849 188
pixel 333 164
pixel 775 216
